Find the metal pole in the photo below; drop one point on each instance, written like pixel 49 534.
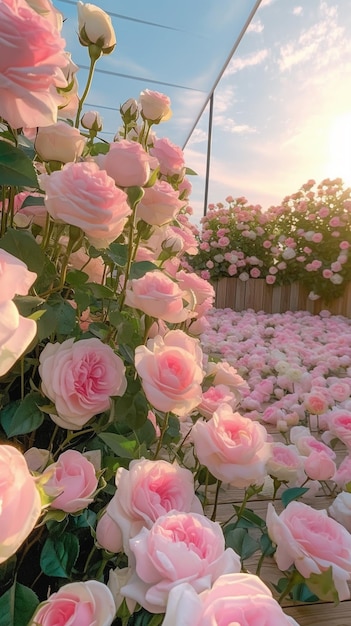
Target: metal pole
pixel 208 159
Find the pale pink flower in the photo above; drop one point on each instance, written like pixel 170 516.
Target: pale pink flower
pixel 160 204
pixel 233 599
pixel 158 296
pixel 127 163
pixel 79 378
pixel 108 534
pixel 169 156
pixel 342 475
pixel 170 369
pixel 284 462
pixel 30 67
pixel 91 601
pixel 213 397
pixel 72 482
pixel 232 447
pixel 20 501
pixel 179 547
pixel 340 509
pixel 311 541
pixel 155 106
pixel 59 142
pixel 319 465
pixel 83 195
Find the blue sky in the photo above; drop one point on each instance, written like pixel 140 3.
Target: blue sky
pixel 282 110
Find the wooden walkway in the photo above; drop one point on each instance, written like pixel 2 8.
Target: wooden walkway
pixel 315 614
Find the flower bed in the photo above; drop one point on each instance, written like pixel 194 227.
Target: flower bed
pixel 306 240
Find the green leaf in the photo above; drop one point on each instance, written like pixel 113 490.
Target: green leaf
pixel 131 409
pixel 16 169
pixel 190 172
pixel 139 268
pixel 121 446
pixel 33 201
pixel 76 278
pixel 267 547
pixel 323 586
pixel 59 556
pixel 28 416
pixel 117 253
pixel 23 245
pixel 251 518
pixel 292 494
pixel 99 148
pixel 17 606
pixel 241 542
pixel 99 291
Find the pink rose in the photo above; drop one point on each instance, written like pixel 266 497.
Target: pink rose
pixel 155 106
pixel 79 378
pixel 233 599
pixel 47 10
pixel 148 490
pixel 342 475
pixel 77 604
pixel 170 369
pixel 319 466
pixel 59 142
pixel 213 397
pixel 311 541
pixel 339 426
pixel 160 204
pixel 73 478
pixel 315 403
pixel 179 547
pixel 20 504
pixel 16 332
pixel 169 156
pixel 232 447
pixel 108 534
pixel 83 195
pixel 159 296
pixel 202 288
pixel 284 463
pixel 127 163
pixel 30 67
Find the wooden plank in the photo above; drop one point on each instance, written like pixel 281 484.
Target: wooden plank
pixel 239 304
pixel 324 614
pixel 260 287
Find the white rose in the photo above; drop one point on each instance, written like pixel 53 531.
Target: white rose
pixel 95 27
pixel 289 253
pixel 336 279
pixel 59 142
pixel 340 510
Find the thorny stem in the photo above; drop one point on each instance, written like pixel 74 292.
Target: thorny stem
pixel 214 512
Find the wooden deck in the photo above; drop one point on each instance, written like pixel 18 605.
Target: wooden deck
pixel 315 614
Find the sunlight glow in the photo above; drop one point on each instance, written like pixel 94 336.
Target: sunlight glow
pixel 340 148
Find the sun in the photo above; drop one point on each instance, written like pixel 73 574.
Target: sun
pixel 340 148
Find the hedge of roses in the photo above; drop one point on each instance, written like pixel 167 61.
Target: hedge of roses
pixel 307 239
pixel 114 422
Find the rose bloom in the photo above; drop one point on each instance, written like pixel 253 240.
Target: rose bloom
pixel 319 465
pixel 340 510
pixel 155 106
pixel 108 534
pixel 214 397
pixel 342 475
pixel 95 26
pixel 73 478
pixel 16 332
pixel 79 378
pixel 20 504
pixel 159 296
pixel 232 447
pixel 234 599
pixel 47 10
pixel 270 280
pixel 169 156
pixel 83 195
pixel 148 490
pixel 179 547
pixel 59 142
pixel 315 403
pixel 30 67
pixel 202 288
pixel 284 462
pixel 340 391
pixel 127 163
pixel 338 426
pixel 160 204
pixel 170 369
pixel 311 541
pixel 77 604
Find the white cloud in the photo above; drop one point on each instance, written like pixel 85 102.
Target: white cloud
pixel 250 60
pixel 297 11
pixel 198 136
pixel 255 27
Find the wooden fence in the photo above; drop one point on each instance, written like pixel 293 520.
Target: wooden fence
pixel 257 295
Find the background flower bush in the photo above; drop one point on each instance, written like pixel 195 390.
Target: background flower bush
pixel 306 239
pixel 106 393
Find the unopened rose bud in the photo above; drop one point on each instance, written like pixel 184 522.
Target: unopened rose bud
pixel 59 142
pixel 91 120
pixel 95 29
pixel 129 111
pixel 155 106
